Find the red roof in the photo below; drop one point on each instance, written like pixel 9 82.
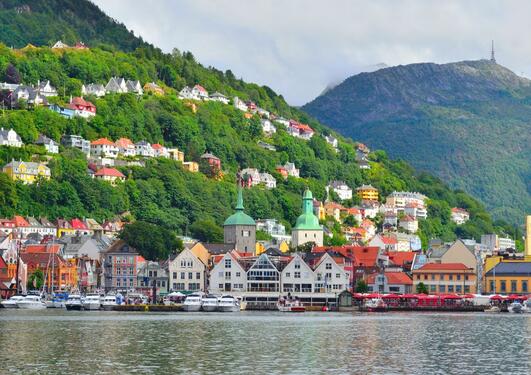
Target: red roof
pixel 444 267
pixel 124 142
pixel 42 248
pixel 78 224
pixel 362 256
pixel 400 258
pixel 112 172
pixel 395 278
pixel 353 211
pixel 41 260
pixel 459 210
pixel 157 146
pixel 102 141
pixel 367 223
pixel 389 240
pixel 20 221
pixel 408 218
pixel 200 88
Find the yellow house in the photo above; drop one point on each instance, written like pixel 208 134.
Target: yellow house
pixel 191 166
pixel 27 172
pixel 509 277
pixel 175 154
pixel 367 192
pixel 201 252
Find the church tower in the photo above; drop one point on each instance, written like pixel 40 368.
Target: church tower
pixel 307 228
pixel 240 229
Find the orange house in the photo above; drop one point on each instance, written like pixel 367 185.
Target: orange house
pixel 58 272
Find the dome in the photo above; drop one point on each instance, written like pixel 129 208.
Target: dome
pixel 239 217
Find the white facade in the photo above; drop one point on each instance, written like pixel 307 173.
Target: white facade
pixel 104 150
pixel 10 138
pixel 144 149
pixel 329 276
pixel 239 104
pixel 269 181
pixel 460 216
pixel 268 127
pixel 95 89
pixel 298 277
pixel 218 97
pixel 341 189
pixel 291 169
pixel 187 272
pixel 228 276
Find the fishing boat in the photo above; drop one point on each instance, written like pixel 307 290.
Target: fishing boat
pixel 91 302
pixel 290 305
pixel 74 302
pixel 31 302
pixel 228 304
pixel 192 302
pixel 210 303
pixel 11 303
pixel 375 305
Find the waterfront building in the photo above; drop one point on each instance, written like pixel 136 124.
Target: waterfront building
pixel 60 273
pixel 297 276
pixel 227 275
pixel 442 278
pixel 188 271
pixel 121 263
pixel 457 252
pixel 263 276
pixel 512 277
pixel 239 228
pixel 150 274
pixel 390 282
pixel 307 227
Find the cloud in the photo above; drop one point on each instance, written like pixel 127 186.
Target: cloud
pixel 297 47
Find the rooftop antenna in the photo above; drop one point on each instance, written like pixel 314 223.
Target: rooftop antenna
pixel 492 58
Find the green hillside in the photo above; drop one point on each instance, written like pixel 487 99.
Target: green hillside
pixel 466 122
pixel 163 192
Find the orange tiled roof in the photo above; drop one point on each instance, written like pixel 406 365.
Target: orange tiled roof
pixel 102 141
pixel 444 267
pixel 109 172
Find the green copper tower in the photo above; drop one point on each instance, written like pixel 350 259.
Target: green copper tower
pixel 307 227
pixel 239 228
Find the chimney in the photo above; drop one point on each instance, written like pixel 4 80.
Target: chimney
pixel 528 236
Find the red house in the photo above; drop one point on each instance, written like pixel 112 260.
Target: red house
pixel 82 107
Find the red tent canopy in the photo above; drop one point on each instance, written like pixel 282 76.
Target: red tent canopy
pixel 426 296
pixel 451 296
pixel 372 295
pixel 391 296
pixel 409 296
pixel 497 297
pixel 469 295
pixel 516 296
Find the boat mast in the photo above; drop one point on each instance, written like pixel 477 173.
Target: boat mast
pixel 17 245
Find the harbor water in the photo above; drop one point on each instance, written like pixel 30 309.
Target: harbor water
pixel 66 342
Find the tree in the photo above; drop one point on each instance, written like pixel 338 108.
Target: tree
pixel 263 236
pixel 206 231
pixel 351 221
pixel 152 241
pixel 304 248
pixel 422 288
pixel 36 279
pixel 361 286
pixel 12 75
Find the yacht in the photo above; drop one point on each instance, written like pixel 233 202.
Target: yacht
pixel 290 305
pixel 92 302
pixel 228 304
pixel 73 302
pixel 516 308
pixel 192 302
pixel 58 301
pixel 12 302
pixel 210 303
pixel 375 305
pixel 109 301
pixel 31 302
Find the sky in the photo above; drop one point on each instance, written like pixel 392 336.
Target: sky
pixel 298 47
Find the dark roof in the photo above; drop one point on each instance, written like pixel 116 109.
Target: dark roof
pixel 511 269
pixel 218 248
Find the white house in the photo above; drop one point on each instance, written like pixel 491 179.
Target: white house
pixel 269 181
pixel 219 97
pixel 144 149
pixel 409 223
pixel 400 199
pixel 291 169
pixel 331 141
pixel 134 87
pixel 297 276
pixel 50 145
pixel 262 112
pixel 341 189
pixel 95 89
pixel 228 275
pixel 329 276
pixel 187 272
pixel 416 210
pixel 299 130
pixel 125 147
pixel 45 88
pixel 282 121
pixel 186 93
pixel 385 243
pixel 268 127
pixel 200 93
pixel 116 85
pixel 460 215
pixel 160 151
pixel 263 276
pixel 252 177
pixel 10 138
pixel 238 103
pixel 104 148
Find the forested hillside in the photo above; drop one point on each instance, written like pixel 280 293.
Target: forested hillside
pixel 466 122
pixel 163 192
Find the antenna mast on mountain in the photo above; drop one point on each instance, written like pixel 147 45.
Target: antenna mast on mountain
pixel 492 58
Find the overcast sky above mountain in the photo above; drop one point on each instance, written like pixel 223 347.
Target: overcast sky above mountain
pixel 298 47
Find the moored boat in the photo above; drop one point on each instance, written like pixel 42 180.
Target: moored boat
pixel 290 305
pixel 192 303
pixel 210 303
pixel 91 302
pixel 493 310
pixel 515 308
pixel 375 305
pixel 31 302
pixel 228 304
pixel 74 302
pixel 11 303
pixel 109 301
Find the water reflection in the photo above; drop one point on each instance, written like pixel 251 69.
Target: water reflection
pixel 54 342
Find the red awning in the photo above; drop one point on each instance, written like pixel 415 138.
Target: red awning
pixel 469 295
pixel 497 297
pixel 516 296
pixel 391 296
pixel 410 296
pixel 451 296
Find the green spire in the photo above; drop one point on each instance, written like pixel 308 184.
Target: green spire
pixel 308 220
pixel 239 201
pixel 240 217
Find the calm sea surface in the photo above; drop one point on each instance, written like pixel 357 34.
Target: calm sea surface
pixel 64 342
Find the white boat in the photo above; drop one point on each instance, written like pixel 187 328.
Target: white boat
pixel 109 301
pixel 515 308
pixel 74 302
pixel 192 302
pixel 527 306
pixel 375 305
pixel 493 310
pixel 31 302
pixel 12 302
pixel 243 303
pixel 228 304
pixel 290 305
pixel 92 302
pixel 210 303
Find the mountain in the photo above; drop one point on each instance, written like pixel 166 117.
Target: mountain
pixel 367 69
pixel 43 22
pixel 163 192
pixel 467 122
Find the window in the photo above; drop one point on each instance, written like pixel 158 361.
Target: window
pixel 491 286
pixel 174 286
pixel 442 288
pixel 189 263
pixel 198 275
pixel 338 275
pixel 245 233
pixel 524 286
pixel 458 288
pixel 175 275
pixel 466 277
pixel 183 275
pixel 228 263
pixel 328 276
pixel 450 288
pixel 425 277
pixel 288 274
pixel 227 275
pixel 433 277
pixel 467 288
pixel 433 288
pixel 297 275
pixel 220 286
pixel 458 277
pixel 441 277
pixel 513 286
pixel 238 274
pixel 297 265
pixel 503 286
pixel 150 273
pixel 450 277
pixel 183 263
pixel 328 266
pixel 190 275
